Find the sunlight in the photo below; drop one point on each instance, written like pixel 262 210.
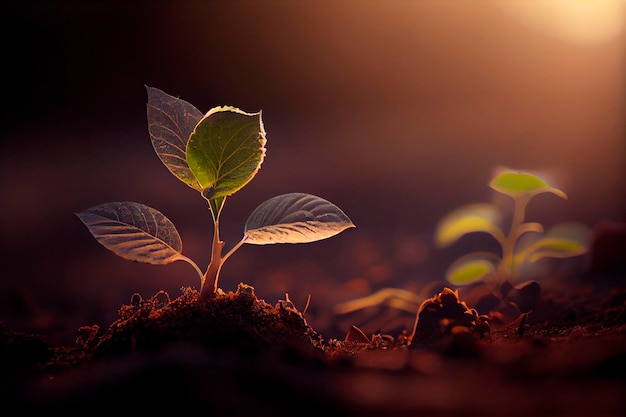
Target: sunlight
pixel 577 21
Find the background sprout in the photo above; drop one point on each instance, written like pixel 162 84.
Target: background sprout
pixel 216 154
pixel 564 240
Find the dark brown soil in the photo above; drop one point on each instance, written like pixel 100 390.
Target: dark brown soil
pixel 238 355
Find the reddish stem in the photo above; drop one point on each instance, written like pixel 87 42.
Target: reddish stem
pixel 209 285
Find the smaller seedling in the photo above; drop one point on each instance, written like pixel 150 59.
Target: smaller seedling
pixel 493 269
pixel 562 241
pixel 216 154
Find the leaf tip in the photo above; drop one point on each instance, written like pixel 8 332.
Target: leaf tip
pixel 558 192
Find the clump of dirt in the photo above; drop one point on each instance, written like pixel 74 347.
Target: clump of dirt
pixel 445 313
pixel 229 320
pixel 234 321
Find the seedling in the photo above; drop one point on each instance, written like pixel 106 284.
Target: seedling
pixel 494 269
pixel 563 240
pixel 215 154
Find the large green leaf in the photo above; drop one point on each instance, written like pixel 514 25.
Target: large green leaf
pixel 294 218
pixel 134 231
pixel 517 184
pixel 225 151
pixel 468 219
pixel 170 122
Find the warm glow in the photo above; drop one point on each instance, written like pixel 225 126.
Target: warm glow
pixel 578 21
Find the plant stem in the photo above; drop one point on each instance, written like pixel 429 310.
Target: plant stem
pixel 237 246
pixel 508 250
pixel 195 266
pixel 209 285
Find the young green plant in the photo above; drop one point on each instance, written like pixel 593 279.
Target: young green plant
pixel 563 240
pixel 215 154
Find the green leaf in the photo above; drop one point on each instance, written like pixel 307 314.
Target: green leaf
pixel 562 241
pixel 558 249
pixel 225 151
pixel 134 231
pixel 468 271
pixel 517 184
pixel 468 219
pixel 170 122
pixel 294 218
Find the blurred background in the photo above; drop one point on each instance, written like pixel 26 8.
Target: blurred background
pixel 396 111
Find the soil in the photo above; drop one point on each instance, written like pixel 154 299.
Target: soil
pixel 237 355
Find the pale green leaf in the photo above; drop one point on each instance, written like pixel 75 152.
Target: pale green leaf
pixel 562 250
pixel 225 150
pixel 468 271
pixel 134 231
pixel 170 122
pixel 468 219
pixel 295 218
pixel 517 184
pixel 562 241
pixel 556 248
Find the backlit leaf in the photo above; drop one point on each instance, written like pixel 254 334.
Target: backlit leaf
pixel 468 219
pixel 558 249
pixel 517 184
pixel 468 271
pixel 562 241
pixel 225 151
pixel 170 122
pixel 134 231
pixel 295 218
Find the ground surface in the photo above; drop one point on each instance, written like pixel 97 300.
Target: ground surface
pixel 238 355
